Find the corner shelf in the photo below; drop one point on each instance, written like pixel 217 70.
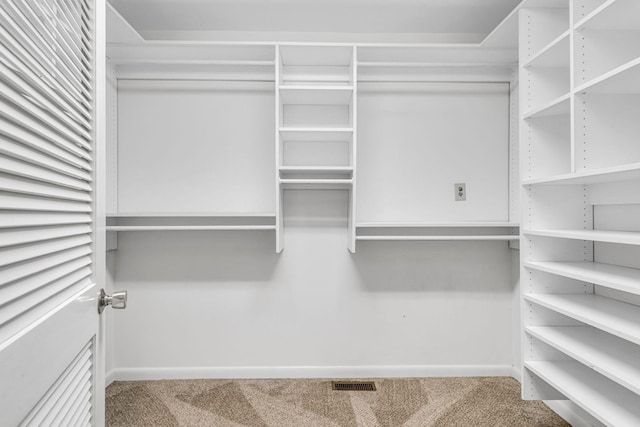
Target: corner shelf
pixel 612 357
pixel 610 403
pixel 596 176
pixel 425 231
pixel 614 317
pixel 624 79
pixel 611 276
pixel 622 237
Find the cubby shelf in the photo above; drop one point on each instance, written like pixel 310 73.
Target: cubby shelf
pixel 316 94
pixel 316 184
pixel 622 237
pixel 597 176
pixel 624 79
pixel 328 134
pixel 607 401
pixel 609 315
pixel 553 55
pixel 611 276
pixel 614 358
pixel 613 15
pixel 317 171
pixel 555 107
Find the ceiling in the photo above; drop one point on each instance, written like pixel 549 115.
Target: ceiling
pixel 466 20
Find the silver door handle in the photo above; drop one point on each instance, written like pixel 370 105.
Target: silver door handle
pixel 117 301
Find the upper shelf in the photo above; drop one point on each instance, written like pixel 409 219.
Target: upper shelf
pixel 613 15
pixel 555 54
pixel 597 176
pixel 184 221
pixel 316 95
pixel 555 107
pixel 621 237
pixel 623 80
pixel 298 134
pixel 431 231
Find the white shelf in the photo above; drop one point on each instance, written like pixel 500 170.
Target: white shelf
pixel 316 94
pixel 189 227
pixel 597 176
pixel 316 170
pixel 432 231
pixel 556 107
pixel 613 15
pixel 316 184
pixel 623 80
pixel 615 317
pixel 190 221
pixel 440 238
pixel 315 134
pixel 610 403
pixel 616 359
pixel 611 276
pixel 553 55
pixel 623 237
pixel 436 224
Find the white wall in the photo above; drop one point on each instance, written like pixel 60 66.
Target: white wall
pixel 216 304
pixel 224 304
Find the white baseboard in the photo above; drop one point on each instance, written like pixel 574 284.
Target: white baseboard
pixel 572 413
pixel 248 372
pixel 110 377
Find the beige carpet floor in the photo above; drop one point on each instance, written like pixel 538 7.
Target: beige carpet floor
pixel 411 402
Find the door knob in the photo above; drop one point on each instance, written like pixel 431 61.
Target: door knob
pixel 117 301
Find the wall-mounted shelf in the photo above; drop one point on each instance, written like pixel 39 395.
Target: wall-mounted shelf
pixel 614 317
pixel 622 237
pixel 597 176
pixel 617 359
pixel 608 402
pixel 611 276
pixel 182 221
pixel 422 231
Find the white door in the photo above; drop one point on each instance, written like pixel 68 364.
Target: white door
pixel 51 214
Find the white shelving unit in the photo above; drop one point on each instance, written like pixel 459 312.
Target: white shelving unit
pixel 581 233
pixel 315 114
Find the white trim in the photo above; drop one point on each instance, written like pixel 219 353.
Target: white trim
pixel 109 377
pixel 252 372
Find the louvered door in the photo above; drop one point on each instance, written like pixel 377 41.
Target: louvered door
pixel 48 309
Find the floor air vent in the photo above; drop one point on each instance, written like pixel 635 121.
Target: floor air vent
pixel 353 385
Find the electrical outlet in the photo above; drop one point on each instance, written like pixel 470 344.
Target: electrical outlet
pixel 461 192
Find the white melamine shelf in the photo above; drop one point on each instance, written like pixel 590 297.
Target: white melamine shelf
pixel 190 221
pixel 623 80
pixel 190 227
pixel 556 107
pixel 435 224
pixel 190 214
pixel 440 238
pixel 316 170
pixel 597 176
pixel 611 276
pixel 622 237
pixel 316 134
pixel 553 55
pixel 316 94
pixel 614 358
pixel 615 317
pixel 607 401
pixel 436 231
pixel 316 184
pixel 613 15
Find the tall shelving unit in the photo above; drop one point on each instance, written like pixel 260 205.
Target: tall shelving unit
pixel 315 124
pixel 580 100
